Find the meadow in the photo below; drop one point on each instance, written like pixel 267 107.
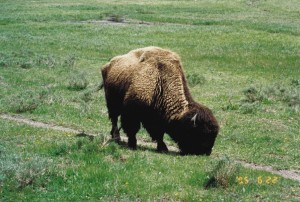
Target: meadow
pixel 241 59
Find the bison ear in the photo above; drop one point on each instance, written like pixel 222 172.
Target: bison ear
pixel 193 120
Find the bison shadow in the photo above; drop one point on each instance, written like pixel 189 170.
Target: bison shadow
pixel 124 144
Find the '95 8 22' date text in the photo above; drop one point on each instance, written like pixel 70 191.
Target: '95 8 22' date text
pixel 267 180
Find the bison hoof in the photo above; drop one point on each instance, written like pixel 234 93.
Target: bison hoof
pixel 117 139
pixel 132 144
pixel 132 147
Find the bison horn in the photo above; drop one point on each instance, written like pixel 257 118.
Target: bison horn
pixel 194 120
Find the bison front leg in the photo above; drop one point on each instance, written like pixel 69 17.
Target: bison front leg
pixel 131 126
pixel 157 134
pixel 161 146
pixel 132 141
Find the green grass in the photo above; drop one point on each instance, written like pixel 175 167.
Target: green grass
pixel 44 164
pixel 241 59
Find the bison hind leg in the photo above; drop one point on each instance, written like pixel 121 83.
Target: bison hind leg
pixel 131 126
pixel 115 132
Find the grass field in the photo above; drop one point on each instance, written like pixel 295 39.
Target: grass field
pixel 241 58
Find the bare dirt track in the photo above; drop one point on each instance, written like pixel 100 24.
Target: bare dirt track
pixel 289 174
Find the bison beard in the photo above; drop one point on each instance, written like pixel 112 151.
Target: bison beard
pixel 147 86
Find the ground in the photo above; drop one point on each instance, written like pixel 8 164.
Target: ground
pixel 241 59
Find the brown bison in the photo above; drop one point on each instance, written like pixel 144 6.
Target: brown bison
pixel 147 86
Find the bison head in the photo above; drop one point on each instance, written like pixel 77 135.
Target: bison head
pixel 196 132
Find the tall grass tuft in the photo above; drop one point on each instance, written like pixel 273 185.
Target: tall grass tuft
pixel 26 101
pixel 195 79
pixel 33 172
pixel 29 59
pixel 86 142
pixel 78 81
pixel 255 97
pixel 116 18
pixel 86 95
pixel 19 171
pixel 69 61
pixel 252 94
pixel 223 174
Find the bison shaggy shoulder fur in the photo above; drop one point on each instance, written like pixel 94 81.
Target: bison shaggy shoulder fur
pixel 147 87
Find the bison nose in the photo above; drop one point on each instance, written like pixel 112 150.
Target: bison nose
pixel 208 153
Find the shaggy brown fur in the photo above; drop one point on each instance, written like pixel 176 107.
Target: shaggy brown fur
pixel 148 86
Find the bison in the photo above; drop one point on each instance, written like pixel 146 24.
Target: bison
pixel 147 86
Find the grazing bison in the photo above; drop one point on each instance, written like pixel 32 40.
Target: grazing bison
pixel 147 86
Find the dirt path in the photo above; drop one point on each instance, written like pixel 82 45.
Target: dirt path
pixel 290 174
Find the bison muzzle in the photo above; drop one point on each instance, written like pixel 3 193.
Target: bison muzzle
pixel 147 86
